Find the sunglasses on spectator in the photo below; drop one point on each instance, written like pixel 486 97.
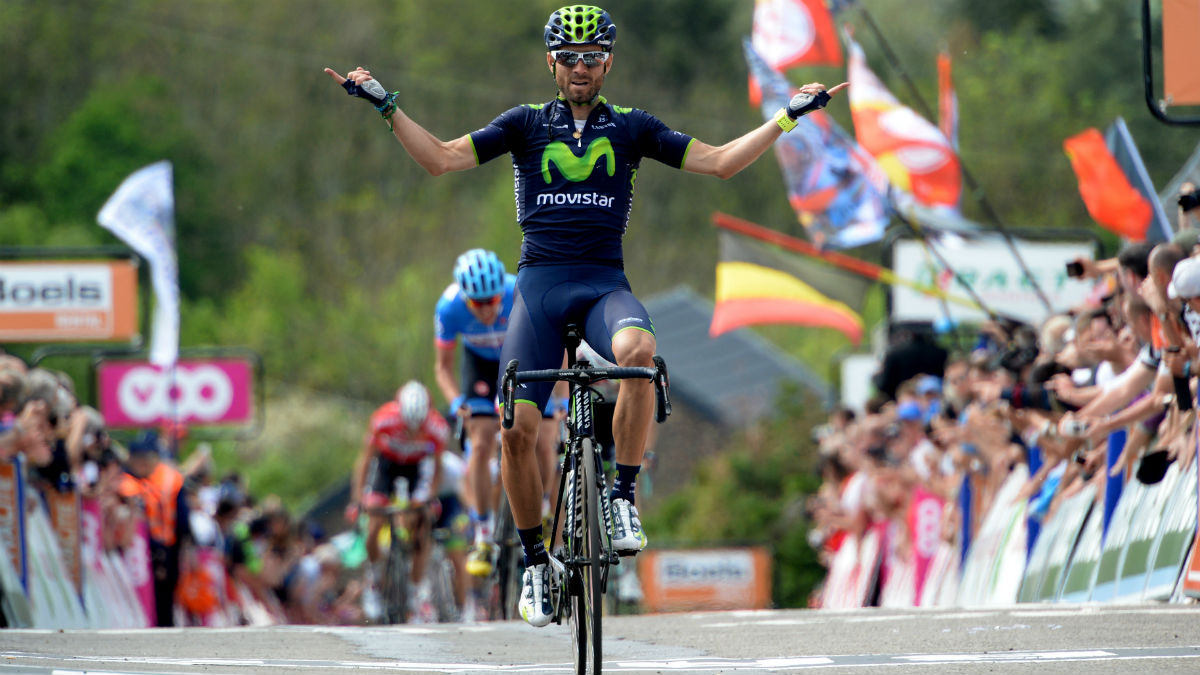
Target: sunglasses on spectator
pixel 569 58
pixel 486 302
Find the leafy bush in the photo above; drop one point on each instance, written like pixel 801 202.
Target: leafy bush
pixel 754 494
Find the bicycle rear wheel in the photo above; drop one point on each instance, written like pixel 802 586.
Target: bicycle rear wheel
pixel 588 577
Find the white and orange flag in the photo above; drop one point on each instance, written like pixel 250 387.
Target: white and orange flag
pixel 789 33
pixel 914 153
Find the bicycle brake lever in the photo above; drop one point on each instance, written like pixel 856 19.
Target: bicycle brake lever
pixel 508 387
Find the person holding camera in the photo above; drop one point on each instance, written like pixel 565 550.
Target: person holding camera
pixel 1189 200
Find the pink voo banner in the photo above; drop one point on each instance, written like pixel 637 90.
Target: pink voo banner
pixel 198 392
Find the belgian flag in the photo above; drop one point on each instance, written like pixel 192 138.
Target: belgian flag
pixel 759 285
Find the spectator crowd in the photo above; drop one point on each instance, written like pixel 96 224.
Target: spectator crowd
pixel 217 555
pixel 1100 395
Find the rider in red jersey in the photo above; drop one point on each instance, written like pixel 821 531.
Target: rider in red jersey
pixel 401 433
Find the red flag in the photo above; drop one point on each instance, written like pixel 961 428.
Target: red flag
pixel 947 100
pixel 1110 198
pixel 789 33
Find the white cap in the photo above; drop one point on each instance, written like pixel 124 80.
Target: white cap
pixel 1185 281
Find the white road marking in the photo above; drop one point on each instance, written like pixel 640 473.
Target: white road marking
pixel 1008 656
pixel 680 665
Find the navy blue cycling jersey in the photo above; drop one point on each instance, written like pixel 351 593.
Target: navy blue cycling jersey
pixel 574 194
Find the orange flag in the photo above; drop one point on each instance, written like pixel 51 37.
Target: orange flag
pixel 1110 198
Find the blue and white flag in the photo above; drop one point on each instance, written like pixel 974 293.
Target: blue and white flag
pixel 142 214
pixel 836 188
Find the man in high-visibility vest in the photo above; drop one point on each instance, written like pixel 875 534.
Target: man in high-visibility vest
pixel 158 487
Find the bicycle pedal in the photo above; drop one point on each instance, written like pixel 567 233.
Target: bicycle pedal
pixel 626 554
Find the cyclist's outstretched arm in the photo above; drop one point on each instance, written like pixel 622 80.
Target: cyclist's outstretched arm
pixel 434 155
pixel 726 160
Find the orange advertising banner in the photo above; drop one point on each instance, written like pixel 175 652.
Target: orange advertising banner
pixel 701 579
pixel 68 301
pixel 1181 52
pixel 65 514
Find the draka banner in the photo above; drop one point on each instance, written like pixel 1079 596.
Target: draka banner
pixel 835 187
pixel 142 214
pixel 913 152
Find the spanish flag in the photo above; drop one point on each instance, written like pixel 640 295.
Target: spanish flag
pixel 758 285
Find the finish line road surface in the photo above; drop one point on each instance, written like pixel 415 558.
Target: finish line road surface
pixel 1026 639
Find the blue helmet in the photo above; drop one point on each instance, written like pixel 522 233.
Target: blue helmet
pixel 479 274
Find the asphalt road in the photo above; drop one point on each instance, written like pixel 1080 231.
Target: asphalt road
pixel 1026 639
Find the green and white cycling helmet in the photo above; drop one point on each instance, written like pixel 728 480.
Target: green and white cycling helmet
pixel 580 25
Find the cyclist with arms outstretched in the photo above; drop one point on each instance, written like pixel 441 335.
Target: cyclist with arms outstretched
pixel 575 159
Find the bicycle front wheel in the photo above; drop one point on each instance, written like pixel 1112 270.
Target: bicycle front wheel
pixel 395 583
pixel 586 619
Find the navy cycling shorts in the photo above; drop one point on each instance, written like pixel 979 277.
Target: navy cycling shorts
pixel 478 382
pixel 596 297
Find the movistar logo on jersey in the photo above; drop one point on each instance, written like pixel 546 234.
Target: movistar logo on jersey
pixel 575 199
pixel 577 169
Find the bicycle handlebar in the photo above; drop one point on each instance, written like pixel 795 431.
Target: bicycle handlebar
pixel 585 375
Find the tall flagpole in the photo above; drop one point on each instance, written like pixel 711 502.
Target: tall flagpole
pixel 976 190
pixel 849 263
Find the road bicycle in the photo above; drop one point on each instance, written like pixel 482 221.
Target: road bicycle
pixel 405 520
pixel 582 560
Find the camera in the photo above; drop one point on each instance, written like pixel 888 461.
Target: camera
pixel 1074 269
pixel 821 432
pixel 1074 427
pixel 1189 200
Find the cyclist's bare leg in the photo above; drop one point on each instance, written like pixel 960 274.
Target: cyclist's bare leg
pixel 374 527
pixel 633 347
pixel 418 528
pixel 482 432
pixel 519 466
pixel 547 452
pixel 460 580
